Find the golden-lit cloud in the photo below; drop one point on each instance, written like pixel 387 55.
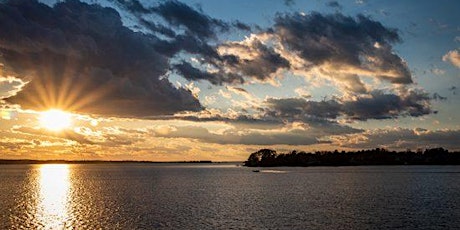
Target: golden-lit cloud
pixel 453 57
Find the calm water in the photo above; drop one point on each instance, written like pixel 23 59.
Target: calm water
pixel 210 196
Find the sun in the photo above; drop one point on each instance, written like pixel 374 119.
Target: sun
pixel 55 119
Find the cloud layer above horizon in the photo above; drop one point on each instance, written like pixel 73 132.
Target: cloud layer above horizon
pixel 73 43
pixel 304 78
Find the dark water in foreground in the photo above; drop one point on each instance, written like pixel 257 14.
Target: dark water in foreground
pixel 215 196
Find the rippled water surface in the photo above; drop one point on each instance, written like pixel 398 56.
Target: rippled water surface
pixel 224 196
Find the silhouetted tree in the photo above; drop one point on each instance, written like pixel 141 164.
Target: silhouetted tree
pixel 378 156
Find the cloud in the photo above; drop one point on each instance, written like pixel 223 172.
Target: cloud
pixel 242 92
pixel 334 4
pixel 335 47
pixel 265 119
pixel 439 25
pixel 343 42
pixel 376 105
pixel 437 71
pixel 290 134
pixel 401 138
pixel 180 14
pixel 225 94
pixel 299 108
pixel 189 72
pixel 251 58
pixel 232 62
pixel 65 134
pixel 9 86
pixel 87 61
pixel 302 92
pixel 191 31
pixel 80 57
pixel 383 106
pixel 453 57
pixel 234 118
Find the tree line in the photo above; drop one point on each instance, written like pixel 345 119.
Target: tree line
pixel 378 156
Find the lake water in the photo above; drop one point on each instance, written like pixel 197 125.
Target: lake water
pixel 224 196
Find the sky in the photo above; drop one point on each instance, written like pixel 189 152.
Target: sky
pixel 218 80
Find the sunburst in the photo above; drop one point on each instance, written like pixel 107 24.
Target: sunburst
pixel 55 120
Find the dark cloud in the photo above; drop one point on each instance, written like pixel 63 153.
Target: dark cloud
pixel 377 105
pixel 242 26
pixel 334 4
pixel 399 138
pixel 180 14
pixel 240 91
pixel 191 73
pixel 384 106
pixel 189 44
pixel 158 28
pixel 80 57
pixel 438 97
pixel 340 40
pixel 336 43
pixel 299 108
pixel 264 61
pixel 241 120
pixel 190 31
pixel 134 6
pixel 341 48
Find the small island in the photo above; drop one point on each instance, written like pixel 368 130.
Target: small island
pixel 378 156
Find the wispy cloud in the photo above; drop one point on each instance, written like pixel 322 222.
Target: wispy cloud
pixel 292 134
pixel 437 71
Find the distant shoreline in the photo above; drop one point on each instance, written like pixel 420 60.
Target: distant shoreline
pixel 9 162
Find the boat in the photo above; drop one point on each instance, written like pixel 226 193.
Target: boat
pixel 255 170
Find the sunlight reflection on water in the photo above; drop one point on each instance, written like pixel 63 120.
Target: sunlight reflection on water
pixel 52 206
pixel 183 196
